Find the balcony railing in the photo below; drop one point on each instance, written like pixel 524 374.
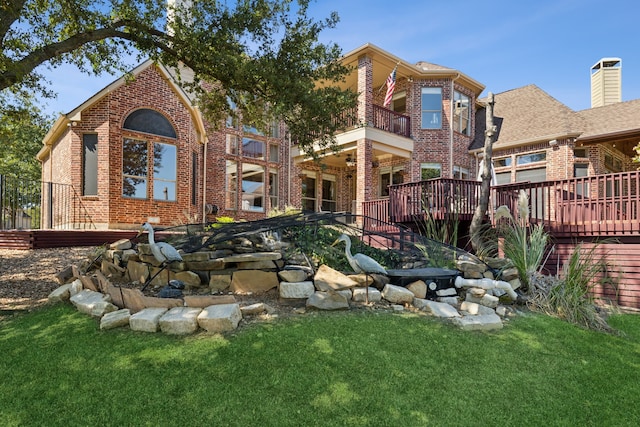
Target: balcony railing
pixel 602 205
pixel 391 121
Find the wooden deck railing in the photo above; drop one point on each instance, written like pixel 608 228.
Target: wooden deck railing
pixel 441 197
pixel 602 205
pixel 391 121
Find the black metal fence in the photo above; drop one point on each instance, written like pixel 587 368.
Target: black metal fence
pixel 27 204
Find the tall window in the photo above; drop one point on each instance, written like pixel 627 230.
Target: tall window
pixel 274 152
pixel 139 154
pixel 134 168
pixel 431 101
pixel 194 177
pixel 461 113
pixel 309 192
pixel 430 170
pixel 232 144
pixel 388 176
pixel 581 170
pixel 329 195
pixel 90 164
pixel 252 187
pixel 231 185
pixel 273 188
pixel 164 172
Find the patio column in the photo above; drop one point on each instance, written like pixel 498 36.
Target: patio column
pixel 364 189
pixel 365 90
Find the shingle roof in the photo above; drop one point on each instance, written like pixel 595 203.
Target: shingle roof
pixel 613 118
pixel 524 115
pixel 529 114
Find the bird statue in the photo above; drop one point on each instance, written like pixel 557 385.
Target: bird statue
pixel 163 252
pixel 360 263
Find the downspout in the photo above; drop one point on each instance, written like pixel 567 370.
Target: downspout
pixel 451 106
pixel 289 160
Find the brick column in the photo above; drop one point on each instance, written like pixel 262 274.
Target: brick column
pixel 365 90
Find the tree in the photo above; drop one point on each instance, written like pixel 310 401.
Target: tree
pixel 260 56
pixel 485 185
pixel 22 128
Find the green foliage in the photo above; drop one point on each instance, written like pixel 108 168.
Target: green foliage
pixel 524 244
pixel 259 60
pixel 288 210
pixel 570 295
pixel 219 222
pixel 120 377
pixel 22 128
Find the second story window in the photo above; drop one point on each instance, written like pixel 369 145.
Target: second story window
pixel 431 107
pixel 461 113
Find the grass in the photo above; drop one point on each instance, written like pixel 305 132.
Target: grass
pixel 325 369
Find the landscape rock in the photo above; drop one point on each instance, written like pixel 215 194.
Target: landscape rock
pixel 60 294
pixel 328 301
pixel 180 321
pixel 121 245
pixel 190 279
pixel 147 320
pixel 292 275
pixel 360 294
pixel 448 292
pixel 64 276
pixel 137 271
pixel 253 281
pixel 418 288
pixel 203 301
pixel 257 308
pixel 327 279
pixel 219 282
pixel 115 319
pixel 296 290
pixel 438 309
pixel 509 274
pixel 484 322
pixel 91 302
pixel 220 318
pixel 397 294
pixel 254 256
pixel 475 308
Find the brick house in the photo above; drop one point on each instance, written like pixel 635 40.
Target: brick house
pixel 139 150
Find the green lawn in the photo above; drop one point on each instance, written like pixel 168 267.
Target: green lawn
pixel 328 369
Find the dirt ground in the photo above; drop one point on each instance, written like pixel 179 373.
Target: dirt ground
pixel 27 277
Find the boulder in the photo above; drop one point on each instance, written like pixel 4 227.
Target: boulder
pixel 137 271
pixel 92 303
pixel 60 294
pixel 180 321
pixel 484 322
pixel 219 282
pixel 121 245
pixel 220 318
pixel 438 309
pixel 418 288
pixel 115 319
pixel 397 294
pixel 328 301
pixel 147 320
pixel 292 275
pixel 360 294
pixel 327 279
pixel 253 281
pixel 257 308
pixel 296 290
pixel 189 278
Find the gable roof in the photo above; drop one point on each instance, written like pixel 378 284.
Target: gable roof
pixel 65 120
pixel 526 115
pixel 612 119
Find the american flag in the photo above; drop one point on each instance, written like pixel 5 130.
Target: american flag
pixel 391 85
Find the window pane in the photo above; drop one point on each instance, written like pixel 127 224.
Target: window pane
pixel 308 193
pixel 505 161
pixel 231 185
pixel 253 148
pixel 274 151
pixel 164 172
pixel 90 164
pixel 525 159
pixel 461 113
pixel 431 108
pixel 252 188
pixel 503 178
pixel 273 188
pixel 232 144
pixel 430 170
pixel 149 121
pixel 134 168
pixel 329 193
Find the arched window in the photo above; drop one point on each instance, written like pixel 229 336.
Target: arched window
pixel 149 121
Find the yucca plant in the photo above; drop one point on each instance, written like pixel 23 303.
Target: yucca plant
pixel 570 296
pixel 524 244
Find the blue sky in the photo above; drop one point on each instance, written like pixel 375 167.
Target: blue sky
pixel 503 44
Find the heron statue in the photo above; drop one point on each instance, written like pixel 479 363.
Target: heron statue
pixel 360 263
pixel 163 252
